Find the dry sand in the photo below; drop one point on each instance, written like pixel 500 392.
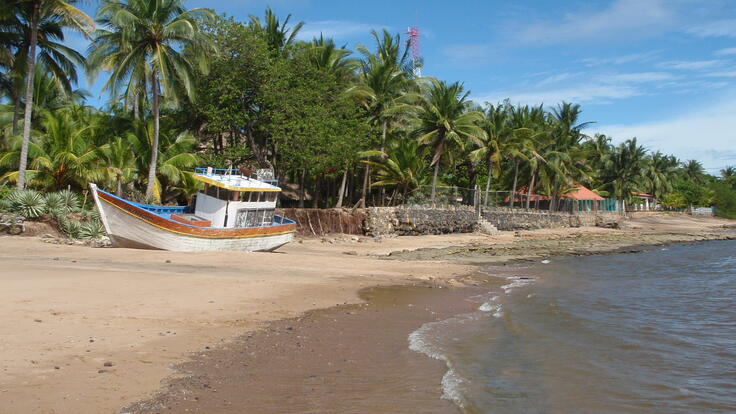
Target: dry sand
pixel 66 311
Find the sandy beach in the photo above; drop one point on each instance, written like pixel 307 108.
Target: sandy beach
pixel 91 330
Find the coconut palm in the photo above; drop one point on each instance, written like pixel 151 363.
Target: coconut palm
pixel 659 171
pixel 626 163
pixel 444 121
pixel 277 34
pixel 58 60
pixel 119 164
pixel 63 155
pixel 492 147
pixel 325 55
pixel 143 43
pixel 176 150
pixel 693 171
pixel 402 167
pixel 68 16
pixel 382 86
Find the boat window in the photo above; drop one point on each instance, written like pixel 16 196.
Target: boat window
pixel 271 196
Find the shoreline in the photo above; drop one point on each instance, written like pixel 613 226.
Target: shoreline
pixel 338 266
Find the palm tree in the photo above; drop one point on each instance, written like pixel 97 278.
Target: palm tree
pixel 68 16
pixel 403 167
pixel 492 148
pixel 324 55
pixel 278 35
pixel 144 43
pixel 61 156
pixel 659 170
pixel 444 120
pixel 626 163
pixel 382 86
pixel 57 59
pixel 176 150
pixel 693 171
pixel 119 163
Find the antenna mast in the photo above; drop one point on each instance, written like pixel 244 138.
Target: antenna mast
pixel 413 32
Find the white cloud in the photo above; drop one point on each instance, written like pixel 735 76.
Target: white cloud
pixel 707 135
pixel 623 59
pixel 467 51
pixel 726 51
pixel 717 28
pixel 597 93
pixel 639 77
pixel 691 64
pixel 336 29
pixel 623 18
pixel 723 74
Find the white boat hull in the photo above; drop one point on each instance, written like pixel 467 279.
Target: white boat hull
pixel 127 230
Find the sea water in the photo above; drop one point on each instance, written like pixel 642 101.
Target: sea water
pixel 649 332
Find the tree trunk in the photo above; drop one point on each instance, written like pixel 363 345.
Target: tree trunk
pixel 317 191
pixel 16 110
pixel 383 157
pixel 29 97
pixel 341 192
pixel 154 146
pixel 531 190
pixel 119 191
pixel 301 188
pixel 364 191
pixel 513 187
pixel 488 182
pixel 257 151
pixel 434 180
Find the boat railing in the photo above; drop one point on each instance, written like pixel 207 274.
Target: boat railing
pixel 226 173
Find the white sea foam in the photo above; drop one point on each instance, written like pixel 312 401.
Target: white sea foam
pixel 420 340
pixel 451 382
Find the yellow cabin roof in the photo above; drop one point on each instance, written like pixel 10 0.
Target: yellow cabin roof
pixel 234 182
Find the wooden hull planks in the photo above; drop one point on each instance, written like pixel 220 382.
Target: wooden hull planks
pixel 129 225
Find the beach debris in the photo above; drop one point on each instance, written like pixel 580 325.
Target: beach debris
pixel 101 371
pixel 168 261
pixel 350 253
pixel 37 320
pixel 545 261
pixel 108 364
pixel 57 367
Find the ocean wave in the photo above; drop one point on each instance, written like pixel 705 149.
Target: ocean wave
pixel 452 382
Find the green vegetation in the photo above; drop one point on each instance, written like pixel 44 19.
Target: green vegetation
pixel 340 128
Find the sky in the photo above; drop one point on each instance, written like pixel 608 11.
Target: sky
pixel 663 71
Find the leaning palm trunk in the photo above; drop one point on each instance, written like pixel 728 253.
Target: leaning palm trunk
pixel 364 190
pixel 154 146
pixel 531 190
pixel 513 188
pixel 434 180
pixel 488 182
pixel 341 193
pixel 29 98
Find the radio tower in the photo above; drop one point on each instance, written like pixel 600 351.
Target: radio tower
pixel 416 58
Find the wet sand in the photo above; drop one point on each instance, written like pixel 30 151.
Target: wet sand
pixel 66 311
pixel 347 359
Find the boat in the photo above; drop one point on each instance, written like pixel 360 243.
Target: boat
pixel 234 211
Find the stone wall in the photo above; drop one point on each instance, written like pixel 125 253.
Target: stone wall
pixel 418 220
pixel 515 219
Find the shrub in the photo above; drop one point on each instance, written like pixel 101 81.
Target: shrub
pixel 70 228
pixel 70 200
pixel 91 230
pixel 27 203
pixel 55 204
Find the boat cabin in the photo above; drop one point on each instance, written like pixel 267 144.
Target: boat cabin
pixel 233 199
